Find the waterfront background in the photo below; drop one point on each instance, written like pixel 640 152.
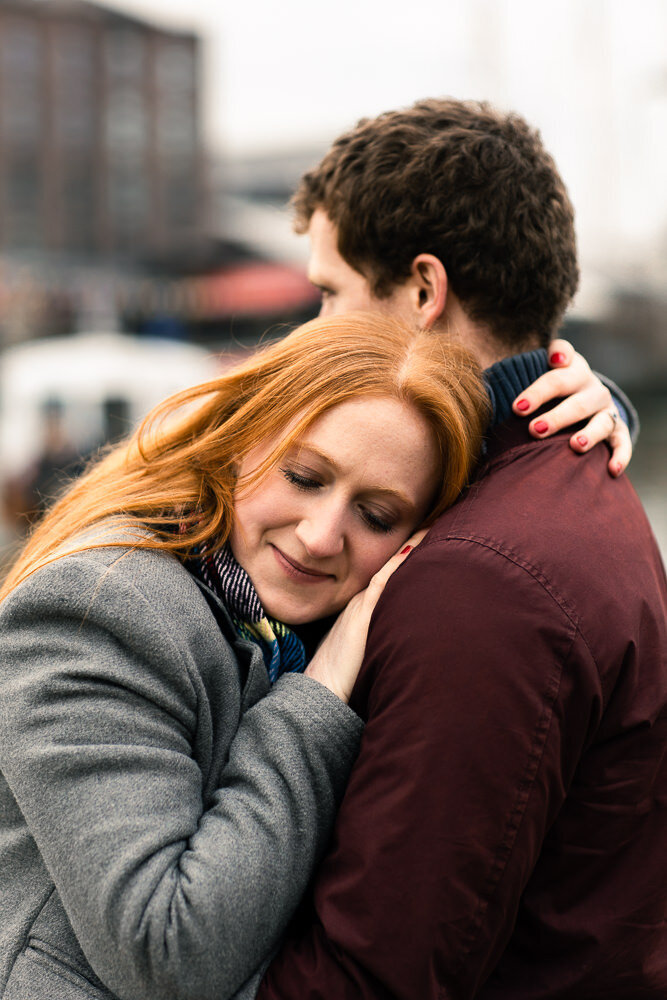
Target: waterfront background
pixel 648 469
pixel 148 152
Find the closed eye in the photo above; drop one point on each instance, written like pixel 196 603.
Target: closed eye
pixel 300 481
pixel 326 296
pixel 376 523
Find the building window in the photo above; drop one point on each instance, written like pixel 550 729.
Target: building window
pixel 175 88
pixel 175 68
pixel 125 54
pixel 76 70
pixel 22 83
pixel 181 198
pixel 78 205
pixel 176 129
pixel 24 215
pixel 22 50
pixel 127 123
pixel 129 205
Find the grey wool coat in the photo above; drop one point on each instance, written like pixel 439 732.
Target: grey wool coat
pixel 161 806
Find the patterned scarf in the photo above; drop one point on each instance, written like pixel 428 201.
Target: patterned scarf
pixel 282 649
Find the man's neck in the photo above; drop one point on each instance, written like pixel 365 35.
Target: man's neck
pixel 486 349
pixel 476 337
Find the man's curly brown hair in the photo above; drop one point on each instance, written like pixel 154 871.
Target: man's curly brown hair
pixel 462 181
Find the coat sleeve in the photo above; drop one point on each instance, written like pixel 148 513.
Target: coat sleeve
pixel 625 407
pixel 171 893
pixel 472 667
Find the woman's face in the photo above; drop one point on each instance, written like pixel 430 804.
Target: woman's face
pixel 338 504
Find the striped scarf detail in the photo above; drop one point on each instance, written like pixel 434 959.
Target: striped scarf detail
pixel 282 650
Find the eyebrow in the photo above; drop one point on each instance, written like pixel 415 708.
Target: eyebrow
pixel 385 490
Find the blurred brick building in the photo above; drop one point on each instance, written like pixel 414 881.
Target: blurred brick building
pixel 100 147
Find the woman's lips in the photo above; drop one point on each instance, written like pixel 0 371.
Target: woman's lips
pixel 297 571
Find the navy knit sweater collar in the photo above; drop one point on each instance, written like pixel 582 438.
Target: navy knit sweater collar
pixel 507 378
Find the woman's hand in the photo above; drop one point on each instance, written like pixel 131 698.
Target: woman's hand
pixel 586 396
pixel 338 658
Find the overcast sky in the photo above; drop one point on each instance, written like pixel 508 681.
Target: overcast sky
pixel 279 72
pixel 591 74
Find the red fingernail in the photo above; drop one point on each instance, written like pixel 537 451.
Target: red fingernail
pixel 618 468
pixel 523 405
pixel 540 427
pixel 582 440
pixel 557 358
pixel 408 548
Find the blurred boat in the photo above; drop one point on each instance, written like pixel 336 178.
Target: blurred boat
pixel 102 384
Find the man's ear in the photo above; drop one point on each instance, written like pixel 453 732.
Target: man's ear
pixel 429 284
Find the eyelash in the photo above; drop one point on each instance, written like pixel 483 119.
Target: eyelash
pixel 376 523
pixel 306 484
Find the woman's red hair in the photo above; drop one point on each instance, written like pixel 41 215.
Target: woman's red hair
pixel 172 482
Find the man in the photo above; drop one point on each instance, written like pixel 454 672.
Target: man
pixel 503 834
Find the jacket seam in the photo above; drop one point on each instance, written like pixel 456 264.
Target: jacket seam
pixel 521 563
pixel 69 963
pixel 55 966
pixel 26 937
pixel 507 843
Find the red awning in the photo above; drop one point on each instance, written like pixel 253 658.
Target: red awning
pixel 257 289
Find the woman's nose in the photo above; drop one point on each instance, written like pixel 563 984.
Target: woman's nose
pixel 322 532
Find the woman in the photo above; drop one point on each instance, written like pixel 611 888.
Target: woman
pixel 169 774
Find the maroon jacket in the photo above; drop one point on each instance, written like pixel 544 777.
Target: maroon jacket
pixel 504 833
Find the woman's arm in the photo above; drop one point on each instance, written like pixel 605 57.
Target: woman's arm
pixel 179 831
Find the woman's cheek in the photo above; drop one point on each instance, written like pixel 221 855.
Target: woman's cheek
pixel 375 559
